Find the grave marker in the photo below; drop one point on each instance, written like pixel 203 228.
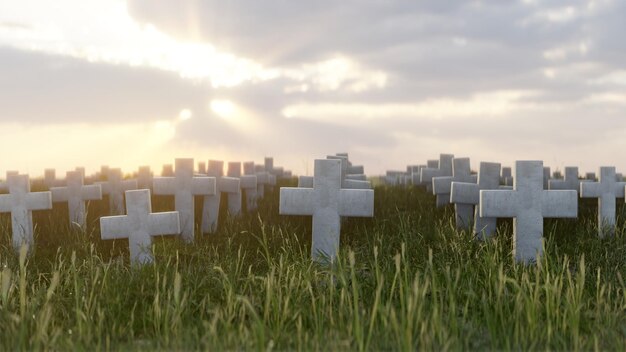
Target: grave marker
pixel 168 171
pixel 461 172
pixel 202 168
pixel 444 168
pixel 326 202
pixel 50 179
pixel 139 226
pixel 249 183
pixel 20 202
pixel 75 194
pixel 546 177
pixel 144 178
pixel 570 181
pixel 211 207
pixel 606 190
pixel 469 194
pixel 184 186
pixel 507 176
pixel 115 188
pixel 528 204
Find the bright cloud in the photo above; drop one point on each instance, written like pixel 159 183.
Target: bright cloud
pixel 488 105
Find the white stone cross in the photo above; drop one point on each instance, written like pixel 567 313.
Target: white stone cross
pixel 349 183
pixel 115 188
pixel 507 176
pixel 546 177
pixel 50 179
pixel 75 194
pixel 469 194
pixel 606 190
pixel 262 179
pixel 461 172
pixel 167 171
pixel 144 177
pixel 184 186
pixel 246 182
pixel 570 181
pixel 250 185
pixel 20 202
pixel 4 185
pixel 202 168
pixel 528 204
pixel 326 202
pixel 211 206
pixel 444 168
pixel 139 226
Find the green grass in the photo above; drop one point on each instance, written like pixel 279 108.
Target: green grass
pixel 404 280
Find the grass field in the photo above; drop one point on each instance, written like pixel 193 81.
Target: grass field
pixel 405 280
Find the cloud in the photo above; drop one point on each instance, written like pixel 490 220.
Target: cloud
pixel 393 81
pixel 41 88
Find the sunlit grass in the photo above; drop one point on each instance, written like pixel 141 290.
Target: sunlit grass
pixel 404 280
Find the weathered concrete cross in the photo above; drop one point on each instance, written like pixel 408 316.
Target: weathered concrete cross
pixel 75 194
pixel 184 186
pixel 211 206
pixel 461 172
pixel 606 190
pixel 326 202
pixel 20 202
pixel 139 226
pixel 528 203
pixel 468 194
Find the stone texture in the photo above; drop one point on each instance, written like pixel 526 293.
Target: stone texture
pixel 184 186
pixel 468 194
pixel 528 204
pixel 606 190
pixel 326 202
pixel 506 177
pixel 168 170
pixel 75 194
pixel 444 168
pixel 20 202
pixel 546 177
pixel 461 172
pixel 139 226
pixel 570 181
pixel 211 205
pixel 144 178
pixel 115 188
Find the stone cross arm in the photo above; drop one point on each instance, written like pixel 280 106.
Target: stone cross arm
pixel 89 192
pixel 229 184
pixel 120 226
pixel 506 204
pixel 498 204
pixel 126 185
pixel 38 200
pixel 559 204
pixel 356 202
pixel 352 202
pixel 464 193
pixel 427 174
pixel 6 203
pixel 596 189
pixel 296 201
pixel 203 185
pixel 198 186
pixel 248 181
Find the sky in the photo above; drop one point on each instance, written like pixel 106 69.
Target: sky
pixel 141 82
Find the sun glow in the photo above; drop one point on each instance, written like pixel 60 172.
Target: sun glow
pixel 223 108
pixel 185 115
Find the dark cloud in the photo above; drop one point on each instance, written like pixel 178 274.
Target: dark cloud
pixel 42 88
